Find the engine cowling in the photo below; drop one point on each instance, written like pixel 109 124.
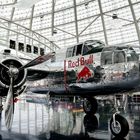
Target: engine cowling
pixel 19 78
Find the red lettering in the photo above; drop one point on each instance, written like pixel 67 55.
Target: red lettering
pixel 80 62
pixel 73 64
pixel 69 64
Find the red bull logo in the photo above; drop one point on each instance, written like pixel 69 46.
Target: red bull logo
pixel 80 62
pixel 85 73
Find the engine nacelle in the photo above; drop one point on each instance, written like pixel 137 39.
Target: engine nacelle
pixel 19 78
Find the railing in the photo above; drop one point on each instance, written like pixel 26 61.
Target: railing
pixel 21 34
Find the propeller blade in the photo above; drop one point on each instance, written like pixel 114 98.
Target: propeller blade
pixel 4 66
pixel 9 106
pixel 38 60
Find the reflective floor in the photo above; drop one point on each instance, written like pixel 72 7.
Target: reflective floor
pixel 37 118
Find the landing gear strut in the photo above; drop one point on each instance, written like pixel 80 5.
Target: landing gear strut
pixel 118 124
pixel 90 105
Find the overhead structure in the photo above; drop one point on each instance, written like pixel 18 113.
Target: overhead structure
pixel 66 22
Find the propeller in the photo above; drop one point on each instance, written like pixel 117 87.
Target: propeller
pixel 9 106
pixel 4 66
pixel 38 60
pixel 13 72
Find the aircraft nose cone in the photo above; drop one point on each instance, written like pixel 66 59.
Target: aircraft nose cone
pixel 14 71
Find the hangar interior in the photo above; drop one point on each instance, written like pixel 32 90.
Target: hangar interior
pixel 58 24
pixel 36 27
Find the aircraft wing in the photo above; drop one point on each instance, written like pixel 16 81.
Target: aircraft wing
pixel 69 90
pixel 36 74
pixel 90 89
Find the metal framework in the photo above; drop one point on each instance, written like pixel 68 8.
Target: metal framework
pixel 57 24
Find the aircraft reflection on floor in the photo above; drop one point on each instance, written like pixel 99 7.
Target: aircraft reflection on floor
pixel 63 118
pixel 64 121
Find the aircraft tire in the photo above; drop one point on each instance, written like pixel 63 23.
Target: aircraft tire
pixel 90 105
pixel 90 123
pixel 122 127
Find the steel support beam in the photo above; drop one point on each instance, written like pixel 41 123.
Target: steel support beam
pixel 30 27
pixel 53 8
pixel 31 19
pixel 103 22
pixel 89 25
pixel 52 26
pixel 9 23
pixel 76 21
pixel 135 20
pixel 65 31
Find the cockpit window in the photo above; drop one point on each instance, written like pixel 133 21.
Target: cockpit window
pixel 88 47
pixel 106 58
pixel 74 51
pixel 119 56
pixel 92 46
pixel 131 55
pixel 69 52
pixel 79 49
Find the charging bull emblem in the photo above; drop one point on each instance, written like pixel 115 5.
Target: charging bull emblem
pixel 85 73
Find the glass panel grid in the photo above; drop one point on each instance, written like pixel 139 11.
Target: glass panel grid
pixel 84 11
pixel 43 7
pixel 20 14
pixel 108 5
pixel 137 10
pixel 5 12
pixel 62 4
pixel 94 27
pixel 64 17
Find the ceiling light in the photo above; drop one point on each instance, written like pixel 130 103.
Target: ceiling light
pixel 114 16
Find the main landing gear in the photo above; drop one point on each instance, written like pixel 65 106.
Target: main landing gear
pixel 90 105
pixel 118 124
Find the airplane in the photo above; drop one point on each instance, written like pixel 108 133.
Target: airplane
pixel 13 75
pixel 89 69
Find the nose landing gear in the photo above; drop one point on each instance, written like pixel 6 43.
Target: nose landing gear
pixel 118 124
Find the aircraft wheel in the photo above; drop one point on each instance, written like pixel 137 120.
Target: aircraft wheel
pixel 90 105
pixel 90 123
pixel 121 129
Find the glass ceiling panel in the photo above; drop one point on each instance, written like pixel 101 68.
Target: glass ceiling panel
pixel 22 14
pixel 45 32
pixel 62 4
pixel 84 11
pixel 124 17
pixel 134 1
pixel 137 11
pixel 67 42
pixel 25 23
pixel 68 27
pixel 97 36
pixel 64 20
pixel 65 16
pixel 5 12
pixel 62 33
pixel 122 35
pixel 81 1
pixel 94 27
pixel 108 5
pixel 42 22
pixel 43 7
